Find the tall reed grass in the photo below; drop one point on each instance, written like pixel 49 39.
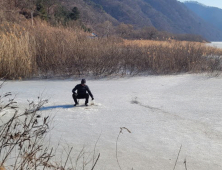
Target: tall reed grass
pixel 17 52
pixel 42 50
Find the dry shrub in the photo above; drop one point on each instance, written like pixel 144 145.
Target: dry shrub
pixel 43 50
pixel 22 136
pixel 24 140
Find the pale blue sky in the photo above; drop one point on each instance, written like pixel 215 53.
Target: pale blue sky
pixel 215 3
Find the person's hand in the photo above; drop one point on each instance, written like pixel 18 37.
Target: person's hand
pixel 92 98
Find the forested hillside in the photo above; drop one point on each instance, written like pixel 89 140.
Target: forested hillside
pixel 167 15
pixel 211 15
pixel 146 19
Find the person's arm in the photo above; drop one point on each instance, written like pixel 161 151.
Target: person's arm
pixel 73 90
pixel 88 90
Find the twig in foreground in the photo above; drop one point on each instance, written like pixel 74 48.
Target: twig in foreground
pixel 177 158
pixel 121 131
pixel 185 163
pixel 96 162
pixel 68 157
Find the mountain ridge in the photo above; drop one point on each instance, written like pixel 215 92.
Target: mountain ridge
pixel 165 15
pixel 207 13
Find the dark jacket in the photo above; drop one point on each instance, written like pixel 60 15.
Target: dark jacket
pixel 81 90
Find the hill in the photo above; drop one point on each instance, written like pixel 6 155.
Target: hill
pixel 130 18
pixel 211 15
pixel 91 13
pixel 165 15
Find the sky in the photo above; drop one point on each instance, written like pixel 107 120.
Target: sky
pixel 214 3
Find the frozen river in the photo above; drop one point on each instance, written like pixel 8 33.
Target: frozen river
pixel 216 44
pixel 162 112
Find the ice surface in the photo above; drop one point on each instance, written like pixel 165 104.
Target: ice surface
pixel 162 112
pixel 216 44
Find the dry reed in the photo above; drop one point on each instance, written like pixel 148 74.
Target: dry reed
pixel 42 50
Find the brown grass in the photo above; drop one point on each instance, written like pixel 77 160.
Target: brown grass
pixel 42 50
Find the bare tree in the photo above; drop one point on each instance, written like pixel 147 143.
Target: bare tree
pixel 29 5
pixel 105 29
pixel 124 30
pixel 49 4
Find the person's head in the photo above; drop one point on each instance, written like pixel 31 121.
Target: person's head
pixel 83 81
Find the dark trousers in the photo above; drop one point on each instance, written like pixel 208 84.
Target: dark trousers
pixel 80 96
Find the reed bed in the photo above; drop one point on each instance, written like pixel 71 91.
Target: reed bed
pixel 173 56
pixel 17 53
pixel 40 51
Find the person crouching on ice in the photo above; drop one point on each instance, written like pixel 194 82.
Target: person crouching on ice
pixel 82 90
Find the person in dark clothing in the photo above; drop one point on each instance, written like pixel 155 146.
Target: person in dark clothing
pixel 82 90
